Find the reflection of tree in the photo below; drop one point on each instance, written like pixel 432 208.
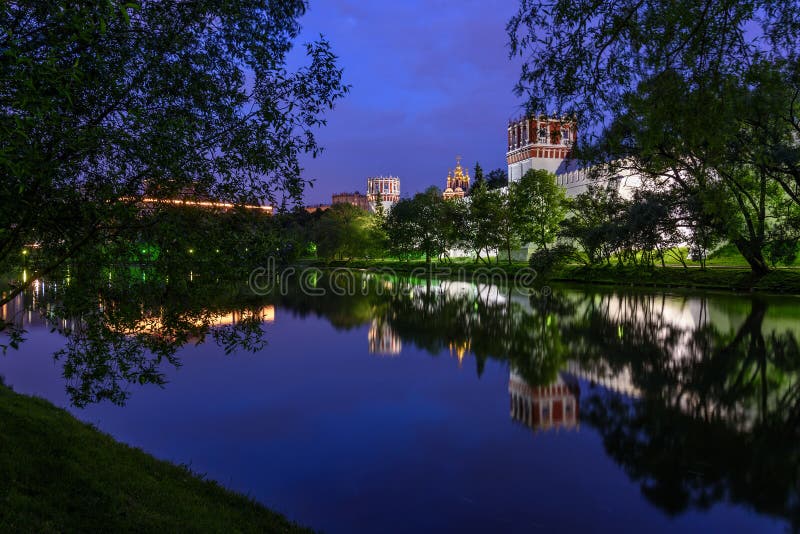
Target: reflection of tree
pixel 718 416
pixel 708 416
pixel 440 316
pixel 125 332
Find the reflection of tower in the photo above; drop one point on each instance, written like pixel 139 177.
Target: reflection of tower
pixel 544 407
pixel 459 349
pixel 457 181
pixel 382 339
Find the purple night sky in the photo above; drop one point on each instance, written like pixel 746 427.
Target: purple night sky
pixel 430 79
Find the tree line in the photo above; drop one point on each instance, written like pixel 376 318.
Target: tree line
pixel 490 224
pixel 607 224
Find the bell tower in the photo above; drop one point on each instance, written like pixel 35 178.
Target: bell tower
pixel 540 142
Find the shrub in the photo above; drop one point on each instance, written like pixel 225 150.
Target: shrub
pixel 545 261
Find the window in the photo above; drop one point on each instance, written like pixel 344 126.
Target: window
pixel 543 135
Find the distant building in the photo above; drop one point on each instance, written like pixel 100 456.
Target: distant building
pixel 385 188
pixel 457 181
pixel 317 207
pixel 355 198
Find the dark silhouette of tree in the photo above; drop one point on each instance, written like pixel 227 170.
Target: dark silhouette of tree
pixel 105 102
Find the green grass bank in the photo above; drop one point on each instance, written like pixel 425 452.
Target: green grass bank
pixel 58 474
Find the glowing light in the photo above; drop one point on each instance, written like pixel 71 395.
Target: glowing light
pixel 200 203
pixel 191 251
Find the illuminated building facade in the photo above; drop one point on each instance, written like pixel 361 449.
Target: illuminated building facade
pixel 387 187
pixel 540 143
pixel 457 181
pixel 547 143
pixel 355 198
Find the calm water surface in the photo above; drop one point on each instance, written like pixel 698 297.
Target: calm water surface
pixel 414 407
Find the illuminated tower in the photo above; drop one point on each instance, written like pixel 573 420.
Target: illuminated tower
pixel 457 181
pixel 383 341
pixel 387 188
pixel 540 143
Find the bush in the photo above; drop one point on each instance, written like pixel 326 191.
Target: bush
pixel 545 261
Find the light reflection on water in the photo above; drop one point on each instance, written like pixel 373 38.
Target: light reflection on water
pixel 473 408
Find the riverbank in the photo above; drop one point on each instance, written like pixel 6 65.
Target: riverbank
pixel 717 278
pixel 61 475
pixel 733 279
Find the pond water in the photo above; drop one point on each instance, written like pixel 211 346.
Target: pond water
pixel 419 406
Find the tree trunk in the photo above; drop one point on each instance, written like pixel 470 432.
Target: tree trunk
pixel 752 253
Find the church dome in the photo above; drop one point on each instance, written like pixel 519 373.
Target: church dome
pixel 459 190
pixel 448 190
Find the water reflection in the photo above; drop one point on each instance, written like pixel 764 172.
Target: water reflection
pixel 125 334
pixel 383 341
pixel 548 407
pixel 697 399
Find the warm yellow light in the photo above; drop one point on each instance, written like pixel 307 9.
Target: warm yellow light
pixel 202 203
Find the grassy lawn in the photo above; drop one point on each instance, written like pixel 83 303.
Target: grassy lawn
pixel 58 474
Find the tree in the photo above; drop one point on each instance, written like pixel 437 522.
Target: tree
pixel 539 207
pixel 346 231
pixel 701 158
pixel 478 178
pixel 497 179
pixel 415 225
pixel 585 57
pixel 504 218
pixel 103 102
pixel 483 215
pixel 700 93
pixel 455 225
pixel 591 221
